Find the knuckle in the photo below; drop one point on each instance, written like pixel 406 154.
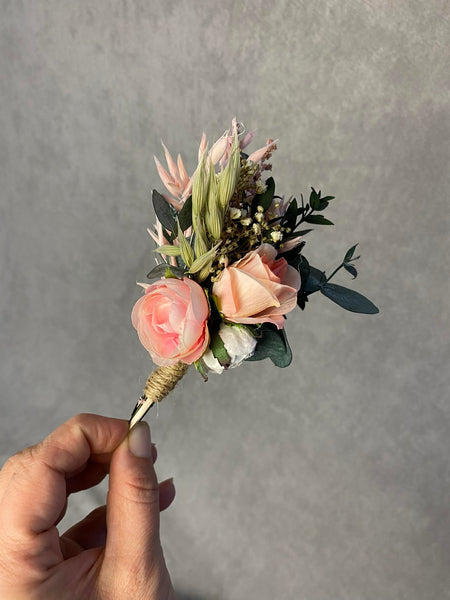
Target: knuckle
pixel 141 490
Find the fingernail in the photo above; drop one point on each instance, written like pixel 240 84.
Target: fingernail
pixel 139 440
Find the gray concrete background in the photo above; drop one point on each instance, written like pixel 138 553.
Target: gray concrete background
pixel 328 480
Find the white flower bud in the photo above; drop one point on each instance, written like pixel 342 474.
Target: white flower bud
pixel 239 344
pixel 235 213
pixel 276 236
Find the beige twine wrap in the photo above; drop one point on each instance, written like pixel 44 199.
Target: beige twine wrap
pixel 160 383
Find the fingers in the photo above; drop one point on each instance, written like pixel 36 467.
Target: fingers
pixel 94 472
pixel 91 531
pixel 35 493
pixel 166 494
pixel 133 506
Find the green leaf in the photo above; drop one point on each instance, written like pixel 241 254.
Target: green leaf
pixel 314 199
pixel 318 220
pixel 349 299
pixel 265 199
pixel 293 257
pixel 185 215
pixel 322 205
pixel 274 345
pixel 327 198
pixel 161 271
pixel 349 254
pixel 163 211
pixel 351 269
pixel 290 215
pixel 219 351
pixel 303 231
pixel 304 270
pixel 315 281
pixel 201 368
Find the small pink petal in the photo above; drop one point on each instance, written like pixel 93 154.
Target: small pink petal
pixel 182 171
pixel 173 169
pixel 258 154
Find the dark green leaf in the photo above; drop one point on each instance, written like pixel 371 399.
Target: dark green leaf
pixel 327 198
pixel 274 345
pixel 304 270
pixel 349 299
pixel 291 214
pixel 303 231
pixel 293 257
pixel 322 205
pixel 349 254
pixel 264 199
pixel 185 215
pixel 314 199
pixel 318 220
pixel 160 271
pixel 219 351
pixel 163 211
pixel 315 280
pixel 351 269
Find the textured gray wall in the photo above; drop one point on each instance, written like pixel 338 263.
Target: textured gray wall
pixel 328 480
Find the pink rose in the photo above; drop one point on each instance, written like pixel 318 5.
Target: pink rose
pixel 171 321
pixel 257 288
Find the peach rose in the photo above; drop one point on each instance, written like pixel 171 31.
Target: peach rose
pixel 171 321
pixel 258 288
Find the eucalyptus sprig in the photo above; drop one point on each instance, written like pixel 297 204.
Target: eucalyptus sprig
pixel 315 280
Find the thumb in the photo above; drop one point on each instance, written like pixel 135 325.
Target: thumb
pixel 133 507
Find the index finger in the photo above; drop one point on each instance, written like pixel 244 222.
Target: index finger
pixel 36 493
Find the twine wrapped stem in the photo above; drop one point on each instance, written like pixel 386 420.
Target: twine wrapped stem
pixel 160 383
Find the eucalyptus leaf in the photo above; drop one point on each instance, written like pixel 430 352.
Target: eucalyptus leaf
pixel 290 215
pixel 274 345
pixel 163 211
pixel 318 220
pixel 265 199
pixel 185 215
pixel 349 254
pixel 315 280
pixel 351 269
pixel 304 270
pixel 161 271
pixel 348 299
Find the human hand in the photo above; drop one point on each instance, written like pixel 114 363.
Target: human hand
pixel 85 563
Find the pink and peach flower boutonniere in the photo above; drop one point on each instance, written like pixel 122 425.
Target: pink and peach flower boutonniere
pixel 231 266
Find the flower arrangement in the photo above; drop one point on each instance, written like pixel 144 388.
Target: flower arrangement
pixel 230 266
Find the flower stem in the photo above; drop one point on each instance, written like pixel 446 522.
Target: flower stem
pixel 335 271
